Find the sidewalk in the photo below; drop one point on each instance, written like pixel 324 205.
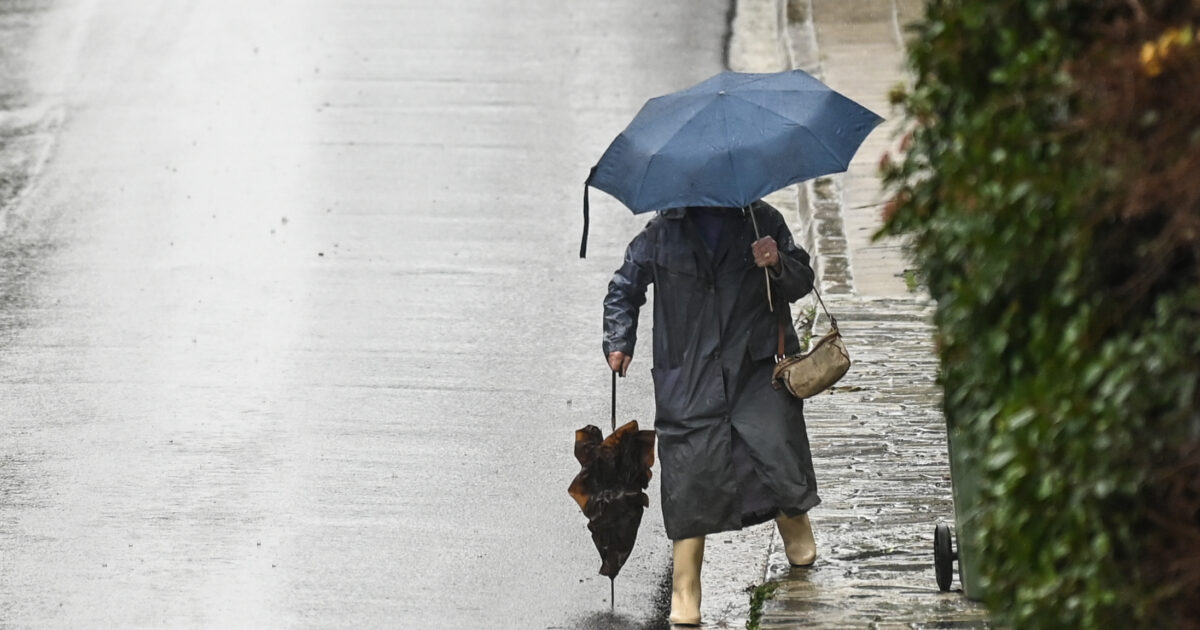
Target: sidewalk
pixel 879 439
pixel 879 446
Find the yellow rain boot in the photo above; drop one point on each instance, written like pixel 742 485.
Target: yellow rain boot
pixel 685 582
pixel 798 541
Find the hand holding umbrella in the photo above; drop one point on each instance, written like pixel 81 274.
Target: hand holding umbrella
pixel 766 254
pixel 619 362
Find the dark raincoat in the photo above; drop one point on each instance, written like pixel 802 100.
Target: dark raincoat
pixel 733 450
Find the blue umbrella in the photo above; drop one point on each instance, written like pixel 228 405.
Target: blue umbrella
pixel 730 141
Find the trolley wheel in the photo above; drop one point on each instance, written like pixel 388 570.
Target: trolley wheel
pixel 943 556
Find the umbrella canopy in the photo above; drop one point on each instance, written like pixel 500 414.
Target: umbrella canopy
pixel 609 488
pixel 729 141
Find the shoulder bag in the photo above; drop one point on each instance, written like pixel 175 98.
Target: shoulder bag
pixel 808 374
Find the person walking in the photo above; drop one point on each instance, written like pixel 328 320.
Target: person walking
pixel 733 449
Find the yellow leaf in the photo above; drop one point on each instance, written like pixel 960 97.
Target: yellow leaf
pixel 1147 53
pixel 1150 58
pixel 1164 47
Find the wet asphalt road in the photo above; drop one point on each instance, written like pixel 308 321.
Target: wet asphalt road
pixel 292 329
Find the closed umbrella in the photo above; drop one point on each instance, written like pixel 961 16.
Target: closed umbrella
pixel 614 472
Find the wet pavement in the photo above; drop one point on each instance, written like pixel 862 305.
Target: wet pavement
pixel 294 331
pixel 28 119
pixel 879 443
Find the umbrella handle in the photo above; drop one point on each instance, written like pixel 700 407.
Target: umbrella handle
pixel 766 274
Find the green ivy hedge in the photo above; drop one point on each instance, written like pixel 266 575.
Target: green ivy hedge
pixel 1040 188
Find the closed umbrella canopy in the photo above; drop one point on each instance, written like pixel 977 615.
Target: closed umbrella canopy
pixel 614 471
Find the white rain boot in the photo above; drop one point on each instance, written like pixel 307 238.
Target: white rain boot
pixel 798 541
pixel 685 582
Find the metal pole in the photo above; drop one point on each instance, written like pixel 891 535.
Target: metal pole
pixel 614 401
pixel 766 274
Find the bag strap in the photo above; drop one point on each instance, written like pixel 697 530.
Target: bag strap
pixel 779 352
pixel 832 319
pixel 779 355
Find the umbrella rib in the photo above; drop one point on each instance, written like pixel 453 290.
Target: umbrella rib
pixel 645 173
pixel 815 89
pixel 798 124
pixel 752 78
pixel 682 123
pixel 729 152
pixel 654 154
